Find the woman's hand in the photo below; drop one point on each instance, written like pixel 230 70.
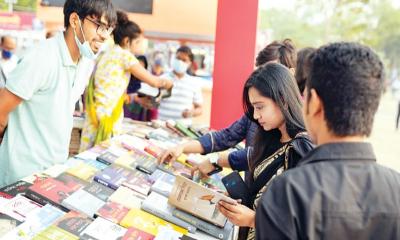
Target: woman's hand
pixel 171 155
pixel 166 83
pixel 204 168
pixel 238 214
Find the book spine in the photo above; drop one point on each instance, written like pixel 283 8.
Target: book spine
pixel 105 183
pixel 184 130
pixel 200 224
pixel 169 218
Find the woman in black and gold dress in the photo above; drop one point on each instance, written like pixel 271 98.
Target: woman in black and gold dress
pixel 272 99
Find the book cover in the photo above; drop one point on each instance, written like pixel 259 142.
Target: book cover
pixel 13 189
pixel 157 205
pixel 147 222
pixel 50 191
pixel 107 158
pixel 71 181
pixel 197 200
pixel 156 175
pixel 113 176
pixel 83 171
pixel 73 222
pixel 96 164
pixel 99 190
pixel 138 181
pixel 136 234
pixel 19 207
pixel 127 198
pixel 209 228
pixel 164 184
pixel 83 202
pixel 112 211
pixel 176 168
pixel 53 233
pixel 102 229
pixel 37 221
pixel 139 160
pixel 165 233
pixel 7 224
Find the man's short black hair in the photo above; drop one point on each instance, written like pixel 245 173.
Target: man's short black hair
pixel 349 79
pixel 187 50
pixel 95 8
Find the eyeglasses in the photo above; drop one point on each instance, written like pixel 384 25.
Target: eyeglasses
pixel 101 28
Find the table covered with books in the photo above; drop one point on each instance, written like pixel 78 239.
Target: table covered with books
pixel 116 190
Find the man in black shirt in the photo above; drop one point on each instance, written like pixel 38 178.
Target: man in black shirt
pixel 338 191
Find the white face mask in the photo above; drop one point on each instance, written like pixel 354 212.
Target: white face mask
pixel 84 48
pixel 179 66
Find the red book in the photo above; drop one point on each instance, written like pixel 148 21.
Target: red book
pixel 136 234
pixel 113 212
pixel 51 191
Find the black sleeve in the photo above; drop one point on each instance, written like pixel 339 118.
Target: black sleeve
pixel 274 219
pixel 300 147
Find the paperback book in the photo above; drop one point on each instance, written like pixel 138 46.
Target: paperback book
pixel 198 200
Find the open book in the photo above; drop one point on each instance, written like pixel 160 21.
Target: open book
pixel 198 200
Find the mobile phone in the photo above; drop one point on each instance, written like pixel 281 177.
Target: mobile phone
pixel 236 187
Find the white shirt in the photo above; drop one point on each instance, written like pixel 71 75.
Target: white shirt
pixel 184 94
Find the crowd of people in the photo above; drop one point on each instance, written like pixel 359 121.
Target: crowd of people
pixel 306 117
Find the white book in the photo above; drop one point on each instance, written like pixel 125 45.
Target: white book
pixel 19 207
pixel 157 205
pixel 83 202
pixel 102 229
pixel 127 198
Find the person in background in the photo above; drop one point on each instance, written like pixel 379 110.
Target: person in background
pixel 106 92
pixel 140 108
pixel 8 59
pixel 302 67
pixel 186 100
pixel 337 191
pixel 158 66
pixel 38 101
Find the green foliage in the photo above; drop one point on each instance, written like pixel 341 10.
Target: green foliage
pixel 313 23
pixel 22 5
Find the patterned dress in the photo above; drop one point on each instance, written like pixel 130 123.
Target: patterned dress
pixel 111 78
pixel 280 155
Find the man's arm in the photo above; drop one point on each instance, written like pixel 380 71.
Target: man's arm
pixel 198 109
pixel 8 102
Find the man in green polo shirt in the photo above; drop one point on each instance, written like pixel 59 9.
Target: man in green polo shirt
pixel 38 100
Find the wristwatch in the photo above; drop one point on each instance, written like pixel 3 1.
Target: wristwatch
pixel 214 161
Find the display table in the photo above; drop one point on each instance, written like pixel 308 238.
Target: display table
pixel 76 167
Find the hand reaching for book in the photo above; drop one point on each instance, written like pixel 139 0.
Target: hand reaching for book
pixel 171 155
pixel 238 214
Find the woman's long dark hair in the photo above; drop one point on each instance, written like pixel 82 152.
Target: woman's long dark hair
pixel 276 82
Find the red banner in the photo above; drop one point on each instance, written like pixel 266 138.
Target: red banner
pixel 17 20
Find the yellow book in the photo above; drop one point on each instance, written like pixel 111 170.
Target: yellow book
pixel 126 160
pixel 83 171
pixel 147 222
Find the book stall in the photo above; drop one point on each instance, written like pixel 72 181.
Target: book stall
pixel 117 190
